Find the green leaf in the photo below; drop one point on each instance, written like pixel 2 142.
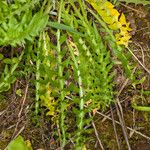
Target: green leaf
pixel 136 82
pixel 18 144
pixel 21 26
pixel 1 56
pixel 18 92
pixel 7 61
pixel 14 60
pixel 64 27
pixel 146 92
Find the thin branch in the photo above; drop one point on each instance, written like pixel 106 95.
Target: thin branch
pixel 120 91
pixel 122 122
pixel 135 10
pixel 147 70
pixel 137 132
pixel 96 133
pixel 20 112
pixel 24 99
pixel 113 122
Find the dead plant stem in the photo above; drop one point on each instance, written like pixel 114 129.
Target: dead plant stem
pixel 115 130
pixel 20 112
pixel 96 133
pixel 137 132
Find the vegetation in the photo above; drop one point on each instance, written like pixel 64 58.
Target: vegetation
pixel 67 51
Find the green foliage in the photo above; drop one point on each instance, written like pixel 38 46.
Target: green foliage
pixel 71 63
pixel 18 22
pixel 18 25
pixel 63 27
pixel 19 144
pixel 92 67
pixel 136 102
pixel 8 76
pixel 117 50
pixel 1 56
pixel 143 2
pixel 45 69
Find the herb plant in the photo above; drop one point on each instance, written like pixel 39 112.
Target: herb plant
pixel 71 55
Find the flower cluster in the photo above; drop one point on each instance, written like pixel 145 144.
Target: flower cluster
pixel 114 20
pixel 123 36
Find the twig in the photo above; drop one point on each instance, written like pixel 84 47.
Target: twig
pixel 113 121
pixel 120 113
pixel 19 132
pixel 141 29
pixel 131 8
pixel 23 102
pixel 3 112
pixel 122 122
pixel 143 57
pixel 148 71
pixel 121 89
pixel 20 112
pixel 125 83
pixel 137 132
pixel 96 133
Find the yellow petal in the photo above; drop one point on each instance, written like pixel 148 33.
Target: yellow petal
pixel 123 19
pixel 108 19
pixel 107 5
pixel 115 26
pixel 123 40
pixel 114 12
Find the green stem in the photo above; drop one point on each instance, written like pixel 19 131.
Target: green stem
pixel 37 84
pixel 61 81
pixel 81 94
pixel 83 9
pixel 141 108
pixel 103 24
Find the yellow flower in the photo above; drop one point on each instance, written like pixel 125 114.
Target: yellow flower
pixel 111 17
pixel 122 19
pixel 107 5
pixel 115 26
pixel 115 14
pixel 108 19
pixel 123 40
